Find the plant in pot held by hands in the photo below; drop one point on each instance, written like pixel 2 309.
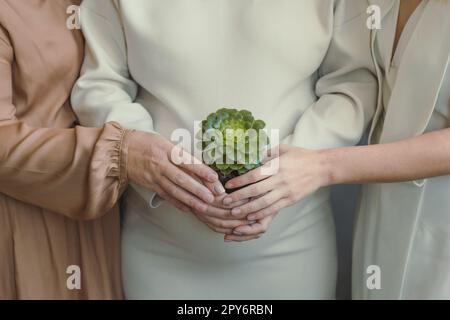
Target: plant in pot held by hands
pixel 233 143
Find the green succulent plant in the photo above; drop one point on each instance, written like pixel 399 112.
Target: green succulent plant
pixel 232 142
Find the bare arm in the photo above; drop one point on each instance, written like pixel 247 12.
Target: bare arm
pixel 412 159
pixel 303 171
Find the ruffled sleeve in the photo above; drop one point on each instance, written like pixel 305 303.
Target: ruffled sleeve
pixel 108 168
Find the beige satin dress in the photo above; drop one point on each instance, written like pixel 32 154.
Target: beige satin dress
pixel 58 183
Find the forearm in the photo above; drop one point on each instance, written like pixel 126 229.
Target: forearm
pixel 412 159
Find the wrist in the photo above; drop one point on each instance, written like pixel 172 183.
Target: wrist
pixel 132 143
pixel 331 167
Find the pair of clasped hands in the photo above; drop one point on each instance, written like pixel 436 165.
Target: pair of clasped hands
pixel 195 188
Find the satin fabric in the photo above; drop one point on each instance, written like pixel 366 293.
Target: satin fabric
pixel 58 183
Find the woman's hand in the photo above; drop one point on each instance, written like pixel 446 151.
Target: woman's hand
pixel 218 217
pixel 150 165
pixel 300 173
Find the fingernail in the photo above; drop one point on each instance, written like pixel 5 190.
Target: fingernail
pixel 212 177
pixel 227 201
pixel 251 218
pixel 252 222
pixel 236 212
pixel 237 233
pixel 219 188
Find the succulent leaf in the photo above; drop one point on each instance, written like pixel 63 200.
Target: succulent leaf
pixel 232 141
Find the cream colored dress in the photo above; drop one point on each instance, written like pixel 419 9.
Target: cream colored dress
pixel 303 66
pixel 404 228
